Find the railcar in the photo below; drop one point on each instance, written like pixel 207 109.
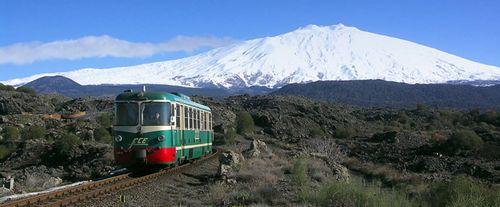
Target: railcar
pixel 160 129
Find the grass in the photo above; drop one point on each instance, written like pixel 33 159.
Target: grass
pixel 357 193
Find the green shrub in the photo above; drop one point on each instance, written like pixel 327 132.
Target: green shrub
pixel 10 133
pixel 317 132
pixel 5 151
pixel 343 132
pixel 33 132
pixel 6 88
pixel 464 140
pixel 65 143
pixel 299 172
pixel 463 191
pixel 26 89
pixel 230 135
pixel 245 123
pixel 105 120
pixel 102 135
pixel 357 193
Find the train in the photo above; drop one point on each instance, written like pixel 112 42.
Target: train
pixel 160 129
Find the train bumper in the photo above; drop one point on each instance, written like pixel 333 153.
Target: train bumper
pixel 145 156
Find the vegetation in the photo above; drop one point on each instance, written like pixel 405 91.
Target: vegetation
pixel 10 133
pixel 6 88
pixel 230 135
pixel 65 143
pixel 343 132
pixel 463 140
pixel 105 120
pixel 5 151
pixel 299 173
pixel 317 132
pixel 33 132
pixel 357 193
pixel 26 89
pixel 102 135
pixel 245 123
pixel 463 191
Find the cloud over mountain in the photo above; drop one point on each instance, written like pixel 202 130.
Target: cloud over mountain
pixel 102 46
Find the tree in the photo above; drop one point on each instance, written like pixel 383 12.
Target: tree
pixel 464 140
pixel 10 133
pixel 65 144
pixel 102 135
pixel 245 123
pixel 33 132
pixel 26 89
pixel 105 120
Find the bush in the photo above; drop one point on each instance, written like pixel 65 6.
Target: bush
pixel 65 143
pixel 105 120
pixel 464 140
pixel 230 135
pixel 26 89
pixel 463 191
pixel 245 123
pixel 102 135
pixel 357 193
pixel 33 132
pixel 10 133
pixel 317 132
pixel 299 171
pixel 6 88
pixel 5 151
pixel 343 133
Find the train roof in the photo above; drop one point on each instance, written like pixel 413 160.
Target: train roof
pixel 158 96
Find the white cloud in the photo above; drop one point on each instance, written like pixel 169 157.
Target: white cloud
pixel 101 46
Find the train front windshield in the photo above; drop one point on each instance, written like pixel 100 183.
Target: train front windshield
pixel 155 114
pixel 127 114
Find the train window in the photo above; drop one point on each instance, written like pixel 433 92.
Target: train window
pixel 186 118
pixel 203 120
pixel 206 121
pixel 195 119
pixel 198 119
pixel 178 115
pixel 155 114
pixel 210 121
pixel 126 114
pixel 191 117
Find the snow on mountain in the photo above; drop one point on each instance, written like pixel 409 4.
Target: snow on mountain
pixel 307 54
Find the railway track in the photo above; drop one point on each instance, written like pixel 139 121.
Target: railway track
pixel 95 189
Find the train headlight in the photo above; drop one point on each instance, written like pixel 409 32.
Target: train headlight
pixel 118 138
pixel 161 138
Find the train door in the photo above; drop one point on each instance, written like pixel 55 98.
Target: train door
pixel 176 129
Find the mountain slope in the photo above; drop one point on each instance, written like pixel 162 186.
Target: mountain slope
pixel 69 88
pixel 378 93
pixel 307 54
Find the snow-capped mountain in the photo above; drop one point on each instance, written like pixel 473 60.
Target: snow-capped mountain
pixel 307 54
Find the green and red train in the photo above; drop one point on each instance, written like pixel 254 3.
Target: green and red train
pixel 160 129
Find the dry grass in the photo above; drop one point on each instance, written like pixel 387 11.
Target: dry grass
pixel 256 183
pixel 384 172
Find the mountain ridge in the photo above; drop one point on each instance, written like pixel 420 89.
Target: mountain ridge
pixel 310 53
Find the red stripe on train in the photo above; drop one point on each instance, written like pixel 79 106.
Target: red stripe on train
pixel 153 156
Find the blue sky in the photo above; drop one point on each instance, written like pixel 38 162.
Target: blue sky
pixel 162 30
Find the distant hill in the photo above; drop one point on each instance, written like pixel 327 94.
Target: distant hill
pixel 379 93
pixel 70 88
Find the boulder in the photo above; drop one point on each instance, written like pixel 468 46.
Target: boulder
pixel 258 148
pixel 229 164
pixel 340 172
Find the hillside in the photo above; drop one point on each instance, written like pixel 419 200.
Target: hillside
pixel 378 93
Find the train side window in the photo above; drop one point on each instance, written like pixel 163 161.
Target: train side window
pixel 210 120
pixel 186 118
pixel 191 118
pixel 178 115
pixel 206 120
pixel 203 127
pixel 196 119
